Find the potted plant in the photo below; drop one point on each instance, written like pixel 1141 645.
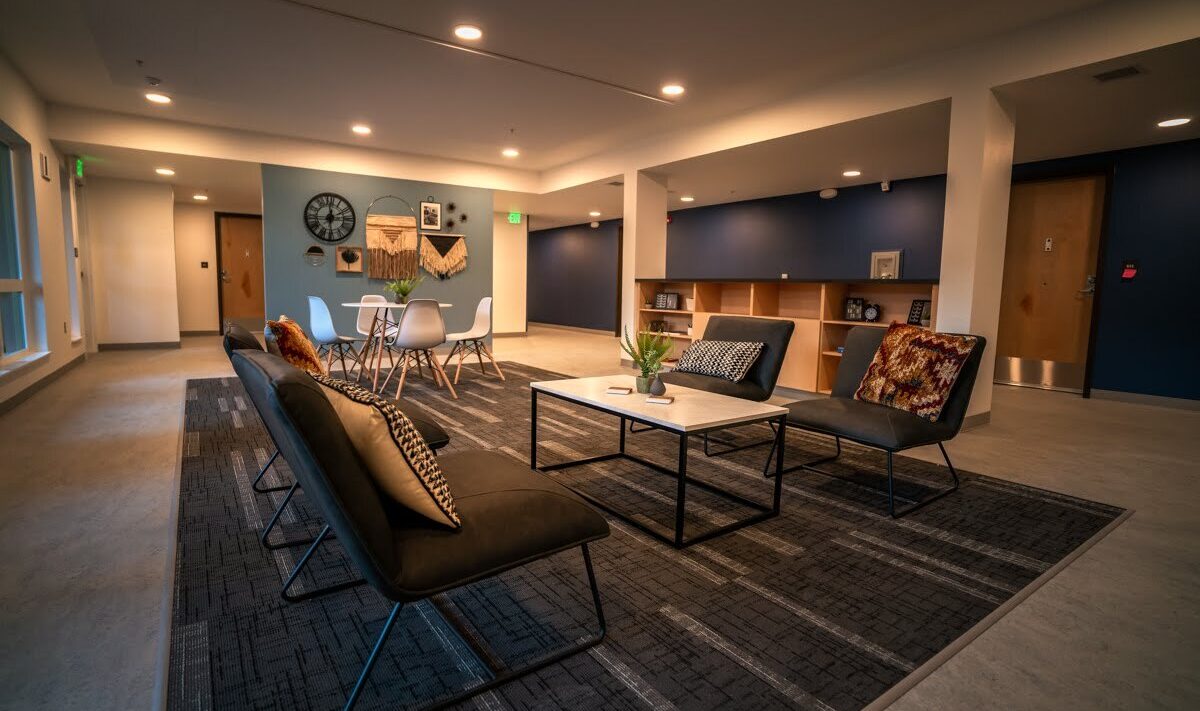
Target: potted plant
pixel 401 288
pixel 648 352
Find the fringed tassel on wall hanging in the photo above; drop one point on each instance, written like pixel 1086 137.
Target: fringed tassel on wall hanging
pixel 391 247
pixel 443 255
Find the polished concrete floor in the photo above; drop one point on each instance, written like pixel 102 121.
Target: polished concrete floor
pixel 87 477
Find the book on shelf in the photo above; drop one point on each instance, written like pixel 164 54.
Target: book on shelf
pixel 618 390
pixel 660 399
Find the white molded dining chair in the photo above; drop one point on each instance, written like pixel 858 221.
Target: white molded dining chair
pixel 327 338
pixel 471 341
pixel 421 329
pixel 369 320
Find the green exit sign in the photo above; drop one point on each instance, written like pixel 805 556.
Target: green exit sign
pixel 514 218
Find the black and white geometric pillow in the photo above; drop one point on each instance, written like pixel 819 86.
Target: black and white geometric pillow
pixel 395 453
pixel 720 359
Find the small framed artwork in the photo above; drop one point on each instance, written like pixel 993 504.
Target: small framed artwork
pixel 885 265
pixel 919 313
pixel 350 260
pixel 854 309
pixel 431 216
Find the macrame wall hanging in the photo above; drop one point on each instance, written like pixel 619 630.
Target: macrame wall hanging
pixel 392 242
pixel 443 255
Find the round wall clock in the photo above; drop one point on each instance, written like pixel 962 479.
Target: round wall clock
pixel 329 217
pixel 872 312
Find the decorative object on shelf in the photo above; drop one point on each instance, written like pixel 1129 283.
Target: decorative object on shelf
pixel 443 255
pixel 315 256
pixel 647 352
pixel 854 309
pixel 689 303
pixel 840 349
pixel 431 214
pixel 872 312
pixel 920 313
pixel 666 300
pixel 349 260
pixel 657 326
pixel 329 217
pixel 657 386
pixel 885 265
pixel 392 241
pixel 402 288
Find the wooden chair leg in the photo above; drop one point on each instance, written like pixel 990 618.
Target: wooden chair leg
pixel 446 379
pixel 480 357
pixel 434 368
pixel 342 358
pixel 403 374
pixel 487 351
pixel 453 350
pixel 462 352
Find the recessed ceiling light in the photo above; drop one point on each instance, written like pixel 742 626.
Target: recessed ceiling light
pixel 594 213
pixel 164 171
pixel 156 98
pixel 686 198
pixel 672 89
pixel 467 32
pixel 851 173
pixel 1173 122
pixel 361 129
pixel 510 153
pixel 199 196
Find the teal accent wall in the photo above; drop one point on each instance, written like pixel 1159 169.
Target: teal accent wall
pixel 290 280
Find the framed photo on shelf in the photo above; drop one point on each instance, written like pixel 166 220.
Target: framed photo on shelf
pixel 920 313
pixel 431 216
pixel 854 309
pixel 885 265
pixel 666 300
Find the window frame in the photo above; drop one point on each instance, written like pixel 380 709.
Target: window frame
pixel 17 150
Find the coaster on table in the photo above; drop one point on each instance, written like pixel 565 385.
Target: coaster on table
pixel 661 399
pixel 618 390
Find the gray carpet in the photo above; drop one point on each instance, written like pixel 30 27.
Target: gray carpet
pixel 828 606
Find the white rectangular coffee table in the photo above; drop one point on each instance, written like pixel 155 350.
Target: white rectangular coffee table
pixel 694 412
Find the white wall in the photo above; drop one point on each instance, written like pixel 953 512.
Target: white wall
pixel 196 242
pixel 131 228
pixel 25 113
pixel 510 245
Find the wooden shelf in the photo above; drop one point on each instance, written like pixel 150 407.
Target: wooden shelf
pixel 665 311
pixel 683 336
pixel 831 354
pixel 872 324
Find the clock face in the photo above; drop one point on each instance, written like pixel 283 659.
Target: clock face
pixel 871 313
pixel 329 217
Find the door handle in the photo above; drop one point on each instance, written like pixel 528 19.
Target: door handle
pixel 1091 286
pixel 224 274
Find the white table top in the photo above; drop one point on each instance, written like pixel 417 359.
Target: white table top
pixel 692 410
pixel 383 305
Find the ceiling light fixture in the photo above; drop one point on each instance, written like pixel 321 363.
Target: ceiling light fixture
pixel 467 32
pixel 672 89
pixel 510 153
pixel 164 171
pixel 594 213
pixel 361 129
pixel 686 198
pixel 199 196
pixel 156 98
pixel 1173 122
pixel 851 173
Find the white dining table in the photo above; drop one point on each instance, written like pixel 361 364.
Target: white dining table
pixel 380 322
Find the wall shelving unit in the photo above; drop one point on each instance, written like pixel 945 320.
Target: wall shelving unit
pixel 815 307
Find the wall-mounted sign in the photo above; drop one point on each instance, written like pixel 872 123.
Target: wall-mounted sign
pixel 1128 270
pixel 514 218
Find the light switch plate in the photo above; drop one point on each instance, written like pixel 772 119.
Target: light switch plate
pixel 783 276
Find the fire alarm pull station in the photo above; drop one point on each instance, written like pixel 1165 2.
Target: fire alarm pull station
pixel 1129 269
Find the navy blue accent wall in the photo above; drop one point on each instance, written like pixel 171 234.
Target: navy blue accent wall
pixel 810 238
pixel 1145 342
pixel 289 279
pixel 573 275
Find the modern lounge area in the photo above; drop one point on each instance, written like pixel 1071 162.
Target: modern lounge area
pixel 373 355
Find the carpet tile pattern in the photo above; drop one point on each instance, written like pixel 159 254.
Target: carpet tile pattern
pixel 825 607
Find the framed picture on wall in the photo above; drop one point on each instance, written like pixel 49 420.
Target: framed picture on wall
pixel 350 260
pixel 431 216
pixel 885 265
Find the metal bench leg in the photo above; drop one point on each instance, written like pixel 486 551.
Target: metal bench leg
pixel 262 472
pixel 310 594
pixel 275 520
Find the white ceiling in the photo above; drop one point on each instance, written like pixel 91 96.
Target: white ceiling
pixel 1070 113
pixel 565 207
pixel 231 186
pixel 270 66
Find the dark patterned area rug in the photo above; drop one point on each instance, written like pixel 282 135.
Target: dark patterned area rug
pixel 828 606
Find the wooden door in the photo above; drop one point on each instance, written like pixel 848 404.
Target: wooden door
pixel 241 247
pixel 1050 267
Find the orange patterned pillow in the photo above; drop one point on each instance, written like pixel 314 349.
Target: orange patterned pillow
pixel 294 346
pixel 914 370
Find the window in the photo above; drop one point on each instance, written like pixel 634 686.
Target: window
pixel 12 287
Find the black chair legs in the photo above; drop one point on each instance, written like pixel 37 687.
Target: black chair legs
pixel 262 472
pixel 275 521
pixel 500 676
pixel 310 594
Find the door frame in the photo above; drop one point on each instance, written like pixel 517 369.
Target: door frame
pixel 1107 173
pixel 620 260
pixel 217 233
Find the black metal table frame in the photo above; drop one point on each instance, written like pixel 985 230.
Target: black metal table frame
pixel 765 511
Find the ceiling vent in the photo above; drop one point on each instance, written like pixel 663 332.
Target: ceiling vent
pixel 1118 73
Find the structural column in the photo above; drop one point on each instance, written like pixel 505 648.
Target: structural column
pixel 643 239
pixel 978 181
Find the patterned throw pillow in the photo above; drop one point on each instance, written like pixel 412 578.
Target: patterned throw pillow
pixel 914 370
pixel 394 452
pixel 721 359
pixel 294 346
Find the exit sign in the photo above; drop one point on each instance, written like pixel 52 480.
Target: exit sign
pixel 79 168
pixel 514 218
